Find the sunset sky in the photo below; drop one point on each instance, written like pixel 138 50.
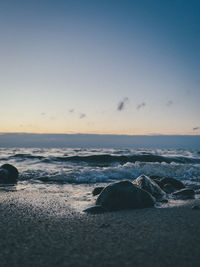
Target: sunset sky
pixel 105 67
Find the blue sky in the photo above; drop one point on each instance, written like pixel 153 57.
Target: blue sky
pixel 105 67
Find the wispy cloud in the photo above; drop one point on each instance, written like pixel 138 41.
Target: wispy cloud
pixel 82 115
pixel 43 113
pixel 169 103
pixel 122 103
pixel 141 105
pixel 196 128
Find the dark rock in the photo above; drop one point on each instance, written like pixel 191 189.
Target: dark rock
pixel 184 194
pixel 95 209
pixel 147 184
pixel 172 184
pixel 196 207
pixel 122 195
pixel 193 186
pixel 97 190
pixel 8 174
pixel 155 177
pixel 168 188
pixel 158 182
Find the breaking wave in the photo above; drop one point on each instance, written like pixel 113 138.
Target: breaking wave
pixel 101 165
pixel 107 159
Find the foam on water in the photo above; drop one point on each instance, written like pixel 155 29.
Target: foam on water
pixel 101 165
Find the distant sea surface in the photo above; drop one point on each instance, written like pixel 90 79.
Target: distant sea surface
pixel 85 167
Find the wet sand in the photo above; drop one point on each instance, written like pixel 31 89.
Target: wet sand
pixel 39 229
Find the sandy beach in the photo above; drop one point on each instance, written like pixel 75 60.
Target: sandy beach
pixel 100 93
pixel 42 230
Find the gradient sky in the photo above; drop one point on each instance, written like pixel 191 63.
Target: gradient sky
pixel 117 67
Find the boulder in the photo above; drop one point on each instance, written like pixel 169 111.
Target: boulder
pixel 149 185
pixel 172 184
pixel 168 188
pixel 122 195
pixel 8 174
pixel 184 194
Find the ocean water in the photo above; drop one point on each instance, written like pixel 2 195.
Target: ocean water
pixel 75 172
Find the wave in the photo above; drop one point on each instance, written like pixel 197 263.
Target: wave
pixel 89 174
pixel 108 159
pixel 26 156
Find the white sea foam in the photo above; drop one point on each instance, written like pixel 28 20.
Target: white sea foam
pixel 101 165
pixel 86 174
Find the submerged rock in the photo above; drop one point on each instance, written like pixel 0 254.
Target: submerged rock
pixel 170 185
pixel 149 185
pixel 8 174
pixel 121 195
pixel 184 194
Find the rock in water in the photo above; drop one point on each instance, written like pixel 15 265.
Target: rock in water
pixel 8 174
pixel 184 194
pixel 171 185
pixel 122 195
pixel 168 188
pixel 147 184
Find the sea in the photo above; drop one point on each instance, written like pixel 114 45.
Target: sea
pixel 73 173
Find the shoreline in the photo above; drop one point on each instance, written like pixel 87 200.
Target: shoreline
pixel 39 229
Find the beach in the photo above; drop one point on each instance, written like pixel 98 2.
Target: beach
pixel 38 229
pixel 100 133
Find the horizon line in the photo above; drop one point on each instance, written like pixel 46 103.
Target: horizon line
pixel 109 134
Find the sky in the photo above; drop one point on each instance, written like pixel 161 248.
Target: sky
pixel 100 67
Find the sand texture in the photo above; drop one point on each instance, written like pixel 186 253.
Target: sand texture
pixel 41 230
